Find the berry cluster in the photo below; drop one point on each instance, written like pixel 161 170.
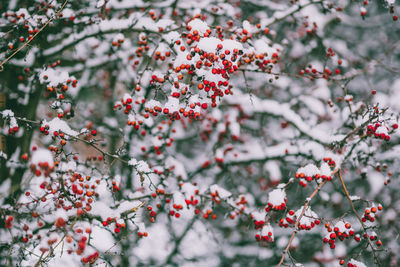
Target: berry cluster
pixel 331 164
pixel 259 219
pixel 175 210
pixel 240 204
pixel 118 226
pixel 45 129
pixel 266 234
pixel 42 162
pixel 308 221
pixel 379 131
pixel 13 130
pixel 152 214
pixel 276 200
pixel 8 115
pixel 91 258
pixel 309 172
pixel 370 213
pixel 142 234
pixel 8 222
pixel 341 230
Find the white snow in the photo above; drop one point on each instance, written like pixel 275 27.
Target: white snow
pixel 42 155
pixel 58 125
pixel 198 25
pixel 277 197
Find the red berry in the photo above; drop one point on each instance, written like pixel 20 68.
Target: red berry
pixel 24 157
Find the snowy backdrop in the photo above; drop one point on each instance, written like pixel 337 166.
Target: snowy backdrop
pixel 199 133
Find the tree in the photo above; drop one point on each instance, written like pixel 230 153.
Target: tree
pixel 199 132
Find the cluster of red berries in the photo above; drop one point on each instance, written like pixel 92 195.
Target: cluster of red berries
pixel 175 210
pixel 192 200
pixel 266 64
pixel 215 197
pixel 373 237
pixel 152 214
pixel 91 258
pixel 20 18
pixel 118 226
pixel 240 204
pixel 92 158
pixel 259 219
pixel 115 186
pixel 63 87
pixel 379 131
pixel 314 73
pixel 60 222
pixel 142 234
pixel 369 213
pixel 127 103
pixel 158 192
pixel 159 56
pixel 310 172
pixel 340 231
pixel 208 213
pixel 42 168
pixel 26 236
pixel 118 41
pixel 78 186
pixel 142 46
pixel 266 234
pixel 308 221
pixel 290 219
pixel 8 222
pixel 258 224
pixel 194 35
pixel 13 130
pixel 277 200
pixel 81 245
pixel 330 53
pixel 45 129
pixel 331 164
pixel 270 207
pixel 9 116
